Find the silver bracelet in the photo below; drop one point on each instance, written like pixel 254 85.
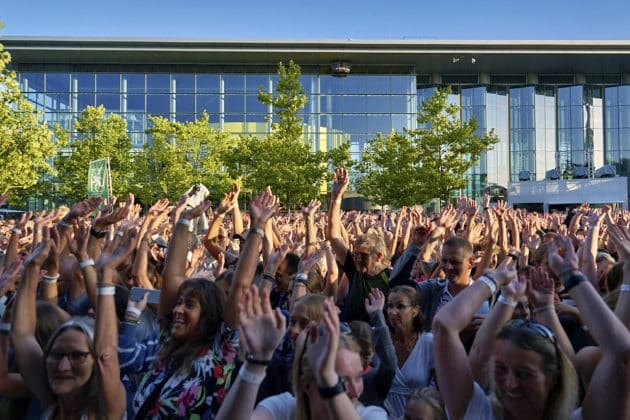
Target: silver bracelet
pixel 249 377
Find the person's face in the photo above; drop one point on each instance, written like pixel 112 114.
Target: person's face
pixel 521 384
pixel 350 370
pixel 298 321
pixel 69 363
pixel 283 276
pixel 364 260
pixel 456 264
pixel 419 410
pixel 400 311
pixel 186 314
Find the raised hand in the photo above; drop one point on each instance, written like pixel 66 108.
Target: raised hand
pixel 540 291
pixel 261 327
pixel 39 254
pixel 311 208
pixel 562 256
pixel 10 276
pixel 323 345
pixel 262 207
pixel 190 214
pixel 504 273
pixel 83 208
pixel 375 301
pixel 159 207
pixel 341 181
pixel 78 245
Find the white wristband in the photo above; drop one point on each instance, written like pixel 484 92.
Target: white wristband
pixel 507 301
pixel 184 222
pixel 120 233
pixel 16 230
pixel 301 276
pixel 250 378
pixel 338 201
pixel 86 263
pixel 488 282
pixel 50 279
pixel 106 290
pixel 132 309
pixel 624 288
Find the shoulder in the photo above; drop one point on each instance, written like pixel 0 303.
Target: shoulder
pixel 281 406
pixel 371 412
pixel 480 405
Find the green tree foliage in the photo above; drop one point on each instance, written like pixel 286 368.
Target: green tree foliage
pixel 282 159
pixel 388 170
pixel 26 144
pixel 98 136
pixel 425 163
pixel 180 155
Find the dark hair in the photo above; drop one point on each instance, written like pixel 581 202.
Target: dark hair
pixel 414 300
pixel 212 301
pixel 292 263
pixel 457 242
pixel 121 298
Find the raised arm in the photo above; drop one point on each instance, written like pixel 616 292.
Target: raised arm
pixel 607 393
pixel 453 368
pixel 261 208
pixel 28 353
pixel 176 260
pixel 482 352
pixel 111 388
pixel 340 184
pixel 309 220
pixel 262 330
pixel 79 248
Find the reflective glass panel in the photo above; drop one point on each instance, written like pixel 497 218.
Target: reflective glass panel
pixel 354 104
pixel 110 102
pixel 379 124
pixel 254 81
pixel 208 103
pixel 402 84
pixel 355 85
pixel 252 104
pixel 158 104
pixel 57 102
pixel 158 83
pixel 83 82
pixel 378 84
pixel 108 82
pixel 234 103
pixel 57 82
pixel 135 103
pixel 185 103
pixel 32 81
pixel 377 104
pixel 234 82
pixel 207 83
pixel 184 83
pixel 134 82
pixel 84 100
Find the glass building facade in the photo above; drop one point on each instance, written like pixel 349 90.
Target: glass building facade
pixel 543 121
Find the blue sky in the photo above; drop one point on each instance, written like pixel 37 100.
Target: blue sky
pixel 322 19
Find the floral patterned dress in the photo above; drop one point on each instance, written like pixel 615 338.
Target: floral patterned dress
pixel 199 394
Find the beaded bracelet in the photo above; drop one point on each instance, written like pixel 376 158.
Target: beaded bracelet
pixel 539 309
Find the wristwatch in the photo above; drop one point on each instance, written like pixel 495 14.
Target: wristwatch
pixel 98 235
pixel 332 391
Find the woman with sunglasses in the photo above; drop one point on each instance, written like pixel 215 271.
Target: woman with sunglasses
pixel 532 376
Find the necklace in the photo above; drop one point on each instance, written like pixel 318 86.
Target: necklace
pixel 404 348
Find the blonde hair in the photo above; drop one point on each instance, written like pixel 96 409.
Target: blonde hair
pixel 302 374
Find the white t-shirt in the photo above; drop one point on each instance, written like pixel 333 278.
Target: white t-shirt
pixel 283 406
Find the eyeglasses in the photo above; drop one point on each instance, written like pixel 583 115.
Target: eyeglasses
pixel 399 307
pixel 75 358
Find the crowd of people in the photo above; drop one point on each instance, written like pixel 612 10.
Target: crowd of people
pixel 478 311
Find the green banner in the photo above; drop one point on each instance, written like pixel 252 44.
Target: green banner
pixel 98 184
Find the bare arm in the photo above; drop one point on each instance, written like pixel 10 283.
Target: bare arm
pixel 340 185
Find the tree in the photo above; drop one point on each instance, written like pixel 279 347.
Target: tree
pixel 447 147
pixel 388 170
pixel 425 163
pixel 282 159
pixel 98 136
pixel 26 144
pixel 180 155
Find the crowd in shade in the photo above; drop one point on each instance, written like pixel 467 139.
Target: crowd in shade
pixel 477 311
